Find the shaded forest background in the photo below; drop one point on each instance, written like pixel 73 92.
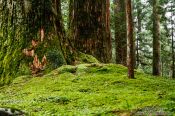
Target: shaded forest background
pixel 39 36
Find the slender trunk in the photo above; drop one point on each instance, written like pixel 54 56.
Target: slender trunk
pixel 120 32
pixel 156 40
pixel 130 59
pixel 139 22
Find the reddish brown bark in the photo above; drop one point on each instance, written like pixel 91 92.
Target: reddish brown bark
pixel 90 28
pixel 130 59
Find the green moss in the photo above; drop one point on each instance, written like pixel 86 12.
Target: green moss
pixel 90 89
pixel 61 70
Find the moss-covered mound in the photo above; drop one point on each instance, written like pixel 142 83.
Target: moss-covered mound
pixel 90 89
pixel 85 58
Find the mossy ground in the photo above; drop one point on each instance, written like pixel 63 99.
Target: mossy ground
pixel 90 89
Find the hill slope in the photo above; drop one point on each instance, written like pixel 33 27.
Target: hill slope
pixel 90 89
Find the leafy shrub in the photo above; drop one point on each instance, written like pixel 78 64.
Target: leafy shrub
pixel 24 70
pixel 55 59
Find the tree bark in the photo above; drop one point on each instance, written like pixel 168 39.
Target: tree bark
pixel 156 40
pixel 10 43
pixel 90 28
pixel 139 37
pixel 120 32
pixel 130 40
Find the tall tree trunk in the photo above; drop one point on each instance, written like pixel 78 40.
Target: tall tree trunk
pixel 120 32
pixel 156 40
pixel 139 37
pixel 130 40
pixel 90 28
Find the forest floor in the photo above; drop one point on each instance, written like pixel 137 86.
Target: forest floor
pixel 90 89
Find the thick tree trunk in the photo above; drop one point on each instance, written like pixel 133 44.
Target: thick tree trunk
pixel 10 42
pixel 120 32
pixel 130 50
pixel 156 40
pixel 90 28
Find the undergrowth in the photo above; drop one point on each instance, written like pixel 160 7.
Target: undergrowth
pixel 90 89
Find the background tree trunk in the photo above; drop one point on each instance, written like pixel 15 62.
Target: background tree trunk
pixel 172 41
pixel 66 47
pixel 156 40
pixel 139 30
pixel 120 32
pixel 130 50
pixel 90 28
